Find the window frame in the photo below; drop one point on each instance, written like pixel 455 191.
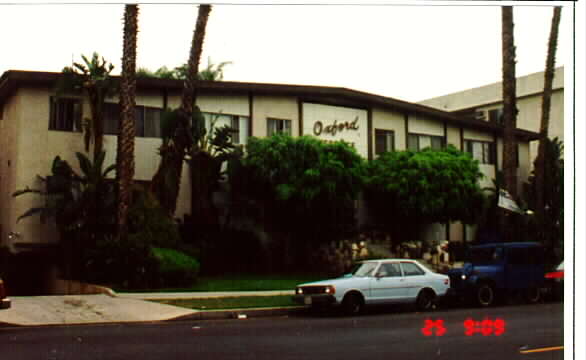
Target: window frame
pixel 76 122
pixel 385 133
pixel 489 152
pixel 431 137
pixel 234 118
pixel 139 125
pixel 283 121
pixel 421 272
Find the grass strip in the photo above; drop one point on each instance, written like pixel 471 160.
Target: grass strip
pixel 240 283
pixel 223 303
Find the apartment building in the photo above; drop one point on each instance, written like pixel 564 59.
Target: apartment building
pixel 485 103
pixel 36 126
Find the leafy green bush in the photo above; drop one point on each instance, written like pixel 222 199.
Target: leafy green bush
pixel 175 267
pixel 149 222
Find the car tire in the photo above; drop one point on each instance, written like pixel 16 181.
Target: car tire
pixel 352 304
pixel 533 295
pixel 425 300
pixel 485 294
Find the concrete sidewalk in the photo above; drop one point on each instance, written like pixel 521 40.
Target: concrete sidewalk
pixel 124 307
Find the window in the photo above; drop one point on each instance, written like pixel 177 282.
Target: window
pixel 147 120
pixel 389 270
pixel 483 151
pixel 65 114
pixel 410 269
pixel 496 116
pixel 239 125
pixel 417 142
pixel 384 140
pixel 275 126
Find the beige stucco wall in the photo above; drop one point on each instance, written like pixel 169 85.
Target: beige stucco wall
pixel 454 137
pixel 423 125
pixel 9 130
pixel 389 120
pixel 279 107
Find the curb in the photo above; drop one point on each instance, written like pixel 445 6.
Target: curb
pixel 240 313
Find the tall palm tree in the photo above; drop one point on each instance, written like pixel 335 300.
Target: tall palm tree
pixel 125 149
pixel 509 103
pixel 167 179
pixel 545 112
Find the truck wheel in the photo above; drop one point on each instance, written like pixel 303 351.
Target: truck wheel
pixel 425 300
pixel 352 304
pixel 485 294
pixel 533 295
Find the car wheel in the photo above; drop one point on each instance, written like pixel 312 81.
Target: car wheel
pixel 533 295
pixel 352 304
pixel 485 294
pixel 425 300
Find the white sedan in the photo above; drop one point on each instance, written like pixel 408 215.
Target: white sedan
pixel 377 282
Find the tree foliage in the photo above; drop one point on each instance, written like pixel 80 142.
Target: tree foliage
pixel 549 228
pixel 212 72
pixel 408 189
pixel 304 185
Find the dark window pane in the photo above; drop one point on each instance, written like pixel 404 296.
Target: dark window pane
pixel 380 143
pixel 152 122
pixel 437 142
pixel 111 114
pixel 139 120
pixel 413 142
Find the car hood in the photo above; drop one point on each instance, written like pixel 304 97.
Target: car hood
pixel 336 282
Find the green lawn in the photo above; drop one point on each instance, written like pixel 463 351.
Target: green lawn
pixel 242 282
pixel 241 302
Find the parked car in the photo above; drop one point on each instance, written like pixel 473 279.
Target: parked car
pixel 4 301
pixel 554 283
pixel 500 269
pixel 377 282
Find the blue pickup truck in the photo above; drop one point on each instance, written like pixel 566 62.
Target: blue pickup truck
pixel 500 269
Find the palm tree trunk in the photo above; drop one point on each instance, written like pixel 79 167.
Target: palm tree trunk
pixel 545 112
pixel 509 102
pixel 125 150
pixel 182 141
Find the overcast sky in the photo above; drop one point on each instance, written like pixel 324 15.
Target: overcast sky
pixel 408 52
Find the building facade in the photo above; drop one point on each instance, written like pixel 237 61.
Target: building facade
pixel 36 126
pixel 485 103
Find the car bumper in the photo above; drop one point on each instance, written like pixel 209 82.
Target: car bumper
pixel 315 300
pixel 5 304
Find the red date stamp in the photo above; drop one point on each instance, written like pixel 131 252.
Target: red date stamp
pixel 486 327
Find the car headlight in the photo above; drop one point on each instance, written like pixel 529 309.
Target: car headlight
pixel 463 277
pixel 299 291
pixel 330 289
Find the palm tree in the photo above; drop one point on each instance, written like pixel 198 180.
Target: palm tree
pixel 125 149
pixel 509 102
pixel 545 110
pixel 173 154
pixel 92 78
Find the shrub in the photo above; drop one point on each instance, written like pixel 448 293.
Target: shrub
pixel 175 267
pixel 149 222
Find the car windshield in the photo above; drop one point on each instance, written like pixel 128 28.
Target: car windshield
pixel 485 256
pixel 364 269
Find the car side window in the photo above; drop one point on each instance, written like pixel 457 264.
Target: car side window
pixel 411 269
pixel 389 270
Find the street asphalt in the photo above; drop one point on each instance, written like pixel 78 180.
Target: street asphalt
pixel 122 308
pixel 527 332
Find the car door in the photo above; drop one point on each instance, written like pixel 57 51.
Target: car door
pixel 415 279
pixel 524 267
pixel 388 284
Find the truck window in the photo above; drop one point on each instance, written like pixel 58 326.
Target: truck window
pixel 485 256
